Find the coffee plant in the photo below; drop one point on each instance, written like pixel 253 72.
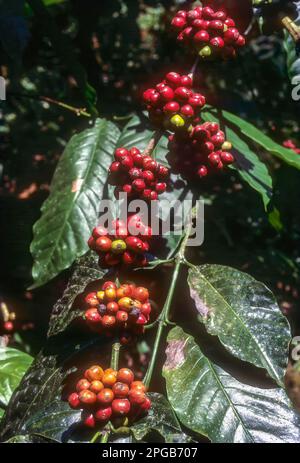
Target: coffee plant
pixel 150 341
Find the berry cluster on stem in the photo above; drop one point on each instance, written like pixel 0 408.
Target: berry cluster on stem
pixel 108 395
pixel 172 104
pixel 208 31
pixel 121 310
pixel 137 175
pixel 126 243
pixel 203 151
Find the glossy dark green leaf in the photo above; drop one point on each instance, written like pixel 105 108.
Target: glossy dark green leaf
pixel 86 271
pixel 252 170
pixel 29 439
pixel 71 211
pixel 13 365
pixel 293 60
pixel 162 419
pixel 244 314
pixel 136 133
pixel 41 384
pixel 55 421
pixel 211 402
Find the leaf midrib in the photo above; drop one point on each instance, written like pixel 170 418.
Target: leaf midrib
pixel 67 215
pixel 264 356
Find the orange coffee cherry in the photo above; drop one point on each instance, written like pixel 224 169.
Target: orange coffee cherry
pixel 96 386
pixel 106 396
pixel 125 375
pixel 94 373
pixel 82 385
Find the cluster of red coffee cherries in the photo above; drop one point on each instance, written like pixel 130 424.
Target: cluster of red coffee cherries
pixel 209 31
pixel 201 152
pixel 173 104
pixel 124 309
pixel 108 395
pixel 138 175
pixel 126 243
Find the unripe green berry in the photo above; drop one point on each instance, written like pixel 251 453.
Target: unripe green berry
pixel 177 120
pixel 227 146
pixel 205 52
pixel 118 247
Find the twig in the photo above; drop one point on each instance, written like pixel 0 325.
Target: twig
pixel 194 67
pixel 77 111
pixel 115 353
pixel 292 28
pixel 163 319
pixel 152 143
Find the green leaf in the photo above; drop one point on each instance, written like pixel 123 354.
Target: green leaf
pixel 252 170
pixel 55 421
pixel 258 137
pixel 43 382
pixel 293 61
pixel 211 402
pixel 161 419
pixel 13 365
pixel 26 439
pixel 138 133
pixel 244 314
pixel 71 211
pixel 86 271
pixel 41 385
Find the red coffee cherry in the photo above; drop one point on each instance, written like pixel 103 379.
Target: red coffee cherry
pixel 120 153
pixel 134 244
pixel 91 299
pixel 141 294
pixel 178 22
pixel 120 390
pixel 103 244
pixel 125 376
pixel 94 373
pixel 82 385
pixel 89 420
pixel 173 78
pixel 103 414
pixel 112 308
pixel 87 397
pixel 120 407
pixel 146 405
pixel 136 396
pixel 106 396
pixel 138 385
pixel 74 401
pixel 92 316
